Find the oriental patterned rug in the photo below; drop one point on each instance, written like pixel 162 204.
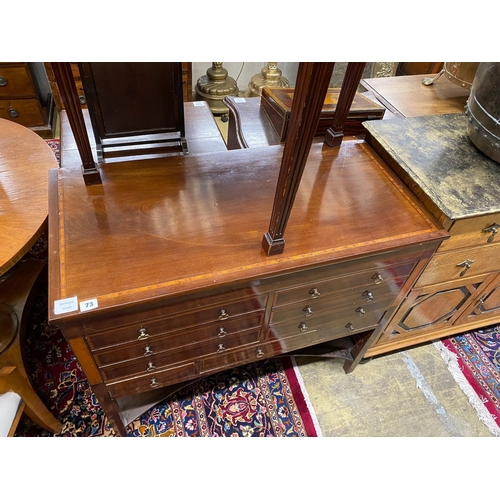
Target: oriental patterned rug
pixel 266 398
pixel 473 359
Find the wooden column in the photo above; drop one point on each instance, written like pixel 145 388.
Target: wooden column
pixel 69 96
pixel 313 79
pixel 335 133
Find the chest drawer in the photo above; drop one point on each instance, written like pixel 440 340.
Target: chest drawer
pixel 150 331
pixel 471 261
pixel 149 382
pixel 26 112
pixel 186 352
pixel 343 321
pixel 358 298
pixel 472 232
pixel 242 300
pixel 370 278
pixel 15 82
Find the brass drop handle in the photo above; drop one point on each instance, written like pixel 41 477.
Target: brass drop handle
pixel 314 293
pixel 150 367
pixel 369 295
pixel 148 351
pixel 308 311
pixel 223 315
pixel 350 326
pixel 360 311
pixel 260 353
pixel 154 383
pixel 221 348
pixel 143 334
pixel 222 333
pixel 303 327
pixel 377 278
pixel 493 229
pixel 465 264
pixel 3 81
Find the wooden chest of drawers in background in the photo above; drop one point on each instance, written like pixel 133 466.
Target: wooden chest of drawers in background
pixel 20 100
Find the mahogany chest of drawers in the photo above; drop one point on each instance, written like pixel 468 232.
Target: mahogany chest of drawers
pixel 158 276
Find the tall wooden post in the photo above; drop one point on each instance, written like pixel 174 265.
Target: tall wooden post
pixel 313 79
pixel 69 95
pixel 335 133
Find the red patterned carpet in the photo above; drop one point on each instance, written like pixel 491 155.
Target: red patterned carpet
pixel 474 360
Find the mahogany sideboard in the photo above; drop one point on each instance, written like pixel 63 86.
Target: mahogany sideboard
pixel 158 276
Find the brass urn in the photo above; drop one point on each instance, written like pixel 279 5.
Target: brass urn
pixel 269 76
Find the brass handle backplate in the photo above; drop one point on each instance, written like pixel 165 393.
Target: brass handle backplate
pixel 221 333
pixel 350 326
pixel 466 264
pixel 377 278
pixel 360 311
pixel 223 315
pixel 308 311
pixel 154 383
pixel 369 295
pixel 148 351
pixel 303 327
pixel 221 348
pixel 314 293
pixel 493 229
pixel 260 353
pixel 150 367
pixel 143 334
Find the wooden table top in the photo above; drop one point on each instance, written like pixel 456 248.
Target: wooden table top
pixel 25 159
pixel 165 227
pixel 406 95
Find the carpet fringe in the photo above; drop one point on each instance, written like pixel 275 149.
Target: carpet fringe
pixel 483 414
pixel 306 397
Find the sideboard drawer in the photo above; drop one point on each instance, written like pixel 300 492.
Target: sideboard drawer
pixel 472 232
pixel 447 266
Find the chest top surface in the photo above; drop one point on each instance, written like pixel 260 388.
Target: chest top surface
pixel 438 155
pixel 165 227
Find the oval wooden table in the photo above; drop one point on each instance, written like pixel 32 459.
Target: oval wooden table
pixel 25 161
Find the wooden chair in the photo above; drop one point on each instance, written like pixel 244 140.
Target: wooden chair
pixel 17 394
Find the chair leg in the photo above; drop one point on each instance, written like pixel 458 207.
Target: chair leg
pixel 11 379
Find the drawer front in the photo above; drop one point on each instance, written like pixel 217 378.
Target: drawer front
pixel 15 82
pixel 187 352
pixel 247 299
pixel 27 112
pixel 371 279
pixel 164 330
pixel 149 382
pixel 473 232
pixel 342 322
pixel 445 266
pixel 357 298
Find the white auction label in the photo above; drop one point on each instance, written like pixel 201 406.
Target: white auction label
pixel 239 99
pixel 87 305
pixel 66 305
pixel 198 103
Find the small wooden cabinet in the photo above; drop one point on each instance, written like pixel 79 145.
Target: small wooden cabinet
pixel 460 287
pixel 20 99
